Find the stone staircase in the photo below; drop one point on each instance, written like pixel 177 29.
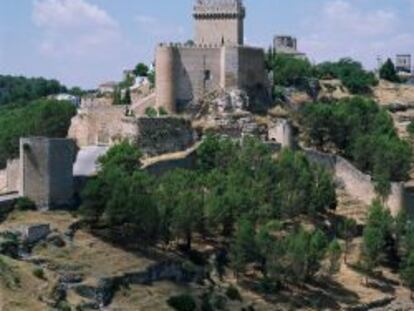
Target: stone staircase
pixel 350 208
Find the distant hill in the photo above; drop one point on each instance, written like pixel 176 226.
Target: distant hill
pixel 20 89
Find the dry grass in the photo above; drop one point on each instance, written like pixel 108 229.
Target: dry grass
pixel 24 296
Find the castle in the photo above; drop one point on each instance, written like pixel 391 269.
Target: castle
pixel 217 60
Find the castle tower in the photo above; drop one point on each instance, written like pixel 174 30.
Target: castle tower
pixel 219 22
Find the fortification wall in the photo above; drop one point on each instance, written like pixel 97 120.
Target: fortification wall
pixel 217 31
pixel 96 102
pixel 94 126
pixel 156 136
pixel 13 175
pixel 357 184
pixel 186 73
pixel 162 167
pixel 62 155
pixel 46 174
pixel 196 72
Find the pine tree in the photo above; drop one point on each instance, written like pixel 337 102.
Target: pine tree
pixel 244 246
pixel 388 72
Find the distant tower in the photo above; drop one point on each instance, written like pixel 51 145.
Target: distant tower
pixel 219 22
pixel 285 44
pixel 403 63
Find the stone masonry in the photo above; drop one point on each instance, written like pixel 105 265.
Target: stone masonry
pixel 46 171
pixel 217 60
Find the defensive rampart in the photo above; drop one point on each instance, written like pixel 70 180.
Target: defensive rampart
pixel 358 185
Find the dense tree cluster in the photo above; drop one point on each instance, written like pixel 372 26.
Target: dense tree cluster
pixel 291 71
pixel 389 241
pixel 41 118
pixel 350 72
pixel 363 132
pixel 238 191
pixel 23 90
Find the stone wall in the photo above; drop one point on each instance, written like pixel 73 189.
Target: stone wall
pixel 46 171
pixel 10 177
pixel 187 73
pixel 357 184
pixel 95 126
pixel 161 167
pixel 155 136
pixel 281 131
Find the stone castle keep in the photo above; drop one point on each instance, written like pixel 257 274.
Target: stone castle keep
pixel 218 60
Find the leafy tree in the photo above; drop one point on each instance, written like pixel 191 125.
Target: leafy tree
pixel 41 118
pixel 350 72
pixel 141 70
pixel 290 71
pixel 181 199
pixel 124 156
pixel 388 72
pixel 25 90
pixel 362 132
pixel 376 233
pixel 244 246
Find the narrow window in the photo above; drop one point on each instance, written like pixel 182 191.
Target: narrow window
pixel 207 75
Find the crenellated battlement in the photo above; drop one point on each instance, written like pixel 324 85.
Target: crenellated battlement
pixel 219 22
pixel 205 46
pixel 219 9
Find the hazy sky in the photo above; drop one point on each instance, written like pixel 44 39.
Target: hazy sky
pixel 84 42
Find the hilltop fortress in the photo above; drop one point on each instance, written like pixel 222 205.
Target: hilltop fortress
pixel 217 60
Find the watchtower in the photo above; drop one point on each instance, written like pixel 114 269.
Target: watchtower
pixel 403 63
pixel 219 22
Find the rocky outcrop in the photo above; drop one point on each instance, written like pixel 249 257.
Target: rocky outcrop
pixel 102 291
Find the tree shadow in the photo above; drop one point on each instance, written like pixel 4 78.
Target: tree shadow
pixel 321 294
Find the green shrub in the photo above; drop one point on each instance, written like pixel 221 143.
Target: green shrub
pixel 25 204
pixel 39 273
pixel 8 275
pixel 182 303
pixel 233 293
pixel 151 112
pixel 162 111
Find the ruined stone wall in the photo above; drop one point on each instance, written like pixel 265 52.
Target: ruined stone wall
pixel 10 177
pixel 13 175
pixel 281 131
pixel 357 184
pixel 94 126
pixel 93 101
pixel 46 171
pixel 155 136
